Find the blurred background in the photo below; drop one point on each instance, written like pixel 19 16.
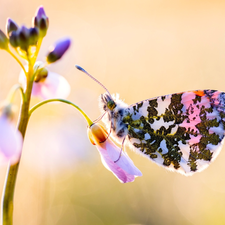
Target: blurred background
pixel 139 49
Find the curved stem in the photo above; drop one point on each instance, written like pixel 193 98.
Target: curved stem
pixel 25 72
pixel 12 92
pixel 89 121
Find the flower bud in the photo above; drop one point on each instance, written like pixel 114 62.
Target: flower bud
pixel 41 75
pixel 97 134
pixel 41 21
pixel 11 26
pixel 13 39
pixel 58 50
pixel 4 41
pixel 23 38
pixel 40 13
pixel 33 36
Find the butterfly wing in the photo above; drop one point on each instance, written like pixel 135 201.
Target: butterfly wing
pixel 182 132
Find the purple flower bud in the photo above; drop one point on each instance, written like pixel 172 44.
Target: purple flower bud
pixel 11 26
pixel 41 21
pixel 33 36
pixel 4 41
pixel 23 38
pixel 13 39
pixel 40 13
pixel 58 50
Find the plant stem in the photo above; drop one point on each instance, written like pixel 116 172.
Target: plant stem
pixel 8 193
pixel 13 91
pixel 89 121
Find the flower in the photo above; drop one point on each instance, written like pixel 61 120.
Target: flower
pixel 58 49
pixel 121 166
pixel 46 86
pixel 10 139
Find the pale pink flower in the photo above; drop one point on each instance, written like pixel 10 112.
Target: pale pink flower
pixel 124 169
pixel 10 141
pixel 53 86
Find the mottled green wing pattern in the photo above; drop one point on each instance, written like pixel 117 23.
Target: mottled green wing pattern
pixel 182 132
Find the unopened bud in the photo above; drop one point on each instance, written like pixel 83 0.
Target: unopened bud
pixel 11 26
pixel 58 50
pixel 13 39
pixel 41 75
pixel 4 41
pixel 23 38
pixel 41 21
pixel 33 36
pixel 97 134
pixel 40 13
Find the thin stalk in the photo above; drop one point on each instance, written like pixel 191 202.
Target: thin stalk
pixel 8 193
pixel 13 91
pixel 89 121
pixel 37 49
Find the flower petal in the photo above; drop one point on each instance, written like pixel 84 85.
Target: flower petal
pixel 10 141
pixel 54 86
pixel 124 161
pixel 122 175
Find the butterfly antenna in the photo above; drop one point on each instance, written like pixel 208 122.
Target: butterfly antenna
pixel 83 70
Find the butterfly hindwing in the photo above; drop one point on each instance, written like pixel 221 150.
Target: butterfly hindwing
pixel 182 131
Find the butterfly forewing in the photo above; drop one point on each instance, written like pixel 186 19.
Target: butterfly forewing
pixel 182 131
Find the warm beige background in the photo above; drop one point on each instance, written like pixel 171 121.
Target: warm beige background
pixel 139 49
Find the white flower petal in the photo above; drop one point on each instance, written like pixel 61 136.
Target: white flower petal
pixel 54 86
pixel 10 141
pixel 124 161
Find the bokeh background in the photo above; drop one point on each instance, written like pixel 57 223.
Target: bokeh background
pixel 139 49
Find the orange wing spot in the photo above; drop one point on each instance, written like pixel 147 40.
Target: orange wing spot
pixel 199 93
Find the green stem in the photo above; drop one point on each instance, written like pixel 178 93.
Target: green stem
pixel 12 92
pixel 89 121
pixel 37 49
pixel 8 193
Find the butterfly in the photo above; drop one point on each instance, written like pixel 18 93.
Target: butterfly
pixel 182 132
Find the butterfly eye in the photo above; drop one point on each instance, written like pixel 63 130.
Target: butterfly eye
pixel 111 105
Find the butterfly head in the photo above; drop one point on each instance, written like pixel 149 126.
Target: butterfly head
pixel 108 102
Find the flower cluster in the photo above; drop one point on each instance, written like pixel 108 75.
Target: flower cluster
pixel 36 80
pixel 23 42
pixel 26 42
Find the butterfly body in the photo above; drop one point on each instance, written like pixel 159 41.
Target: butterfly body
pixel 182 132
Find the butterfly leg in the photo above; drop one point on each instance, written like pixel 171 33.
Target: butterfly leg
pixel 107 137
pixel 121 150
pixel 99 118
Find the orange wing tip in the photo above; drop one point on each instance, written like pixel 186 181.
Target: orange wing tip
pixel 199 93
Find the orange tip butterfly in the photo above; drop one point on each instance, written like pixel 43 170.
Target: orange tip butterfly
pixel 182 132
